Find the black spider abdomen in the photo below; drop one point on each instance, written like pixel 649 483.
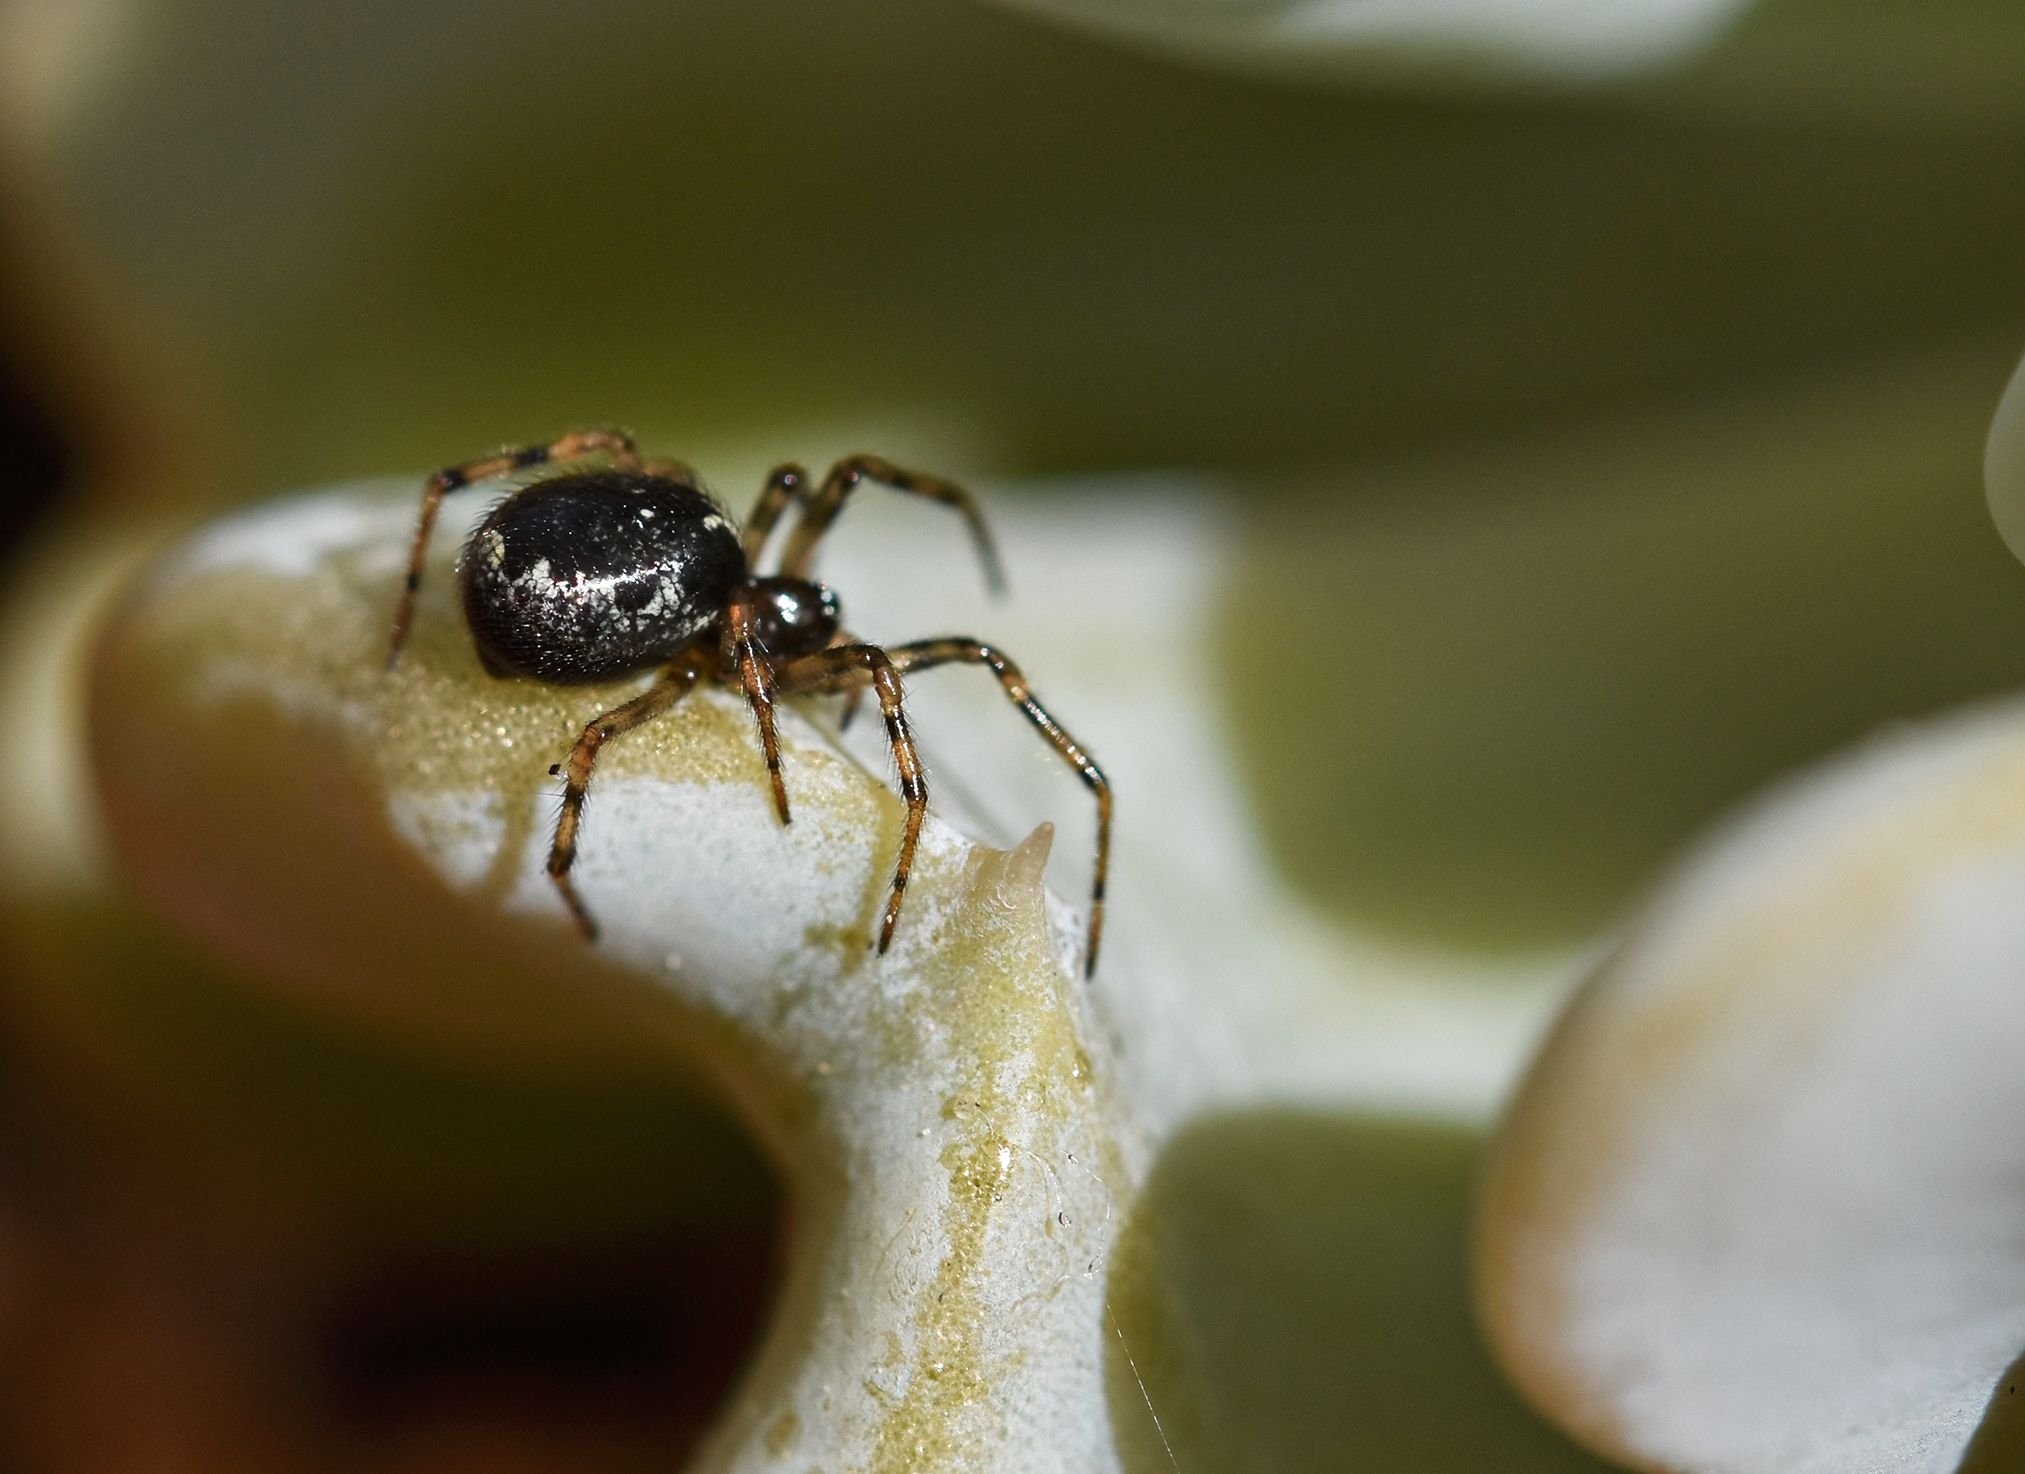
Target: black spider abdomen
pixel 597 575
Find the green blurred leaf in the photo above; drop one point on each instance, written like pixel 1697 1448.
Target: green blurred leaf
pixel 1293 1292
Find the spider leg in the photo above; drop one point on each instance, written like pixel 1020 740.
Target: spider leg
pixel 674 683
pixel 741 653
pixel 853 699
pixel 783 485
pixel 924 654
pixel 838 668
pixel 844 477
pixel 854 695
pixel 452 478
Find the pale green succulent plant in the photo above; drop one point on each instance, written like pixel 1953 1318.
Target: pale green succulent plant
pixel 1562 465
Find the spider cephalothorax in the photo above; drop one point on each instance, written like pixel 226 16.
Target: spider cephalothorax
pixel 597 574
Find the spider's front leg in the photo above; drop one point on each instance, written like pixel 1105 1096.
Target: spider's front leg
pixel 844 666
pixel 569 447
pixel 783 485
pixel 927 654
pixel 575 771
pixel 843 479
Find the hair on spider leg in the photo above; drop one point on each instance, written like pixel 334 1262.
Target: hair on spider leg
pixel 586 575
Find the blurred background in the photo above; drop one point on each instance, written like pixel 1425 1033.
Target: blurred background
pixel 1598 444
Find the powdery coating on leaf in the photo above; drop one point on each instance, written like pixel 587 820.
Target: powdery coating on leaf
pixel 1757 1208
pixel 1567 39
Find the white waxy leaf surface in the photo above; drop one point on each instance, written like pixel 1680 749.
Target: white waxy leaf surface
pixel 1569 39
pixel 959 1131
pixel 2004 464
pixel 937 1112
pixel 1757 1209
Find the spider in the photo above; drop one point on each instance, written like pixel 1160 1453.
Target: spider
pixel 596 574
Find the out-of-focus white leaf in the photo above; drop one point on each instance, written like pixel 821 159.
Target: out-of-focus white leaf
pixel 2004 464
pixel 1568 39
pixel 1757 1208
pixel 959 1129
pixel 54 53
pixel 54 600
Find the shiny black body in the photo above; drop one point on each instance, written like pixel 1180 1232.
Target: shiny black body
pixel 597 575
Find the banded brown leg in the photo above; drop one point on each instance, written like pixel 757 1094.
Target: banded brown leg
pixel 839 668
pixel 569 447
pixel 925 654
pixel 783 485
pixel 843 479
pixel 854 694
pixel 575 771
pixel 741 653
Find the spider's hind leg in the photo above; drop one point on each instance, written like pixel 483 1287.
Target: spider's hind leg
pixel 569 447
